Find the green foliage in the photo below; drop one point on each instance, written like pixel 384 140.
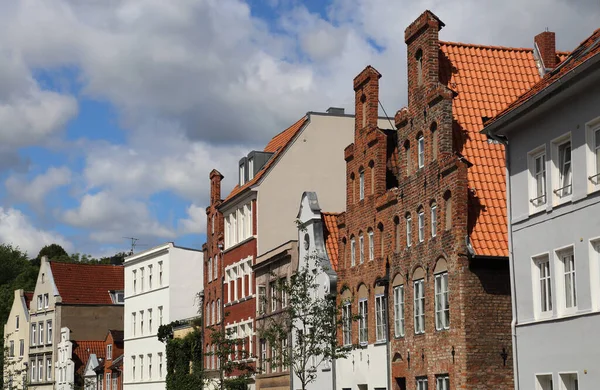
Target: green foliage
pixel 52 251
pixel 233 360
pixel 184 362
pixel 309 319
pixel 165 332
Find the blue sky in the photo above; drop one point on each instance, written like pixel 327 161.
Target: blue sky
pixel 113 113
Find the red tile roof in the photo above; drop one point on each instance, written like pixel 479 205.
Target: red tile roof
pixel 486 80
pixel 275 146
pixel 87 283
pixel 28 298
pixel 83 349
pixel 586 50
pixel 331 236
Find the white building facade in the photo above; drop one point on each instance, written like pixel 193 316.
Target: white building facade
pixel 64 370
pixel 161 285
pixel 16 341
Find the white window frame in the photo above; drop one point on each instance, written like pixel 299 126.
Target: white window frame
pixel 34 334
pixel 408 231
pixel 361 184
pixel 46 301
pixel 283 292
pixel 160 316
pixel 250 168
pixel 361 247
pixel 150 277
pixel 380 318
pixel 442 382
pixel 419 305
pixel 347 323
pixel 34 370
pixel 49 332
pixel 109 352
pixel 273 295
pixel 593 155
pixel 261 305
pixel 210 270
pixel 363 322
pixel 263 355
pixel 561 192
pixel 242 175
pixel 543 285
pixel 421 151
pixel 567 382
pixel 565 257
pixel 352 252
pixel 544 381
pixel 399 326
pixel 421 219
pixel 371 236
pixel 142 279
pixel 538 192
pixel 421 383
pixel 160 273
pixel 442 301
pixel 434 220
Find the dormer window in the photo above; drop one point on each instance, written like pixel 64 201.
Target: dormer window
pixel 242 175
pixel 117 297
pixel 250 169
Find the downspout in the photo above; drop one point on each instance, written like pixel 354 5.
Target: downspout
pixel 513 293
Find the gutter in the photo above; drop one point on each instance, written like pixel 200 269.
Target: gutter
pixel 539 98
pixel 511 263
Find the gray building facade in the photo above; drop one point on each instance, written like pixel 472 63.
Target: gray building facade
pixel 552 138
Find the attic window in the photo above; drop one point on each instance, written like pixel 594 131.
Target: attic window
pixel 419 61
pixel 242 175
pixel 118 297
pixel 250 168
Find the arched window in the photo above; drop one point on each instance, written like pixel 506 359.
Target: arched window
pixel 372 171
pixel 397 233
pixel 398 290
pixel 210 270
pixel 419 300
pixel 361 183
pixel 371 238
pixel 419 63
pixel 408 230
pixel 434 141
pixel 433 219
pixel 421 150
pixel 216 266
pixel 218 309
pixel 381 239
pixel 421 223
pixel 352 251
pixel 363 314
pixel 361 247
pixel 448 209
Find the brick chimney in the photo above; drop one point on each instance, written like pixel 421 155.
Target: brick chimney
pixel 546 47
pixel 422 40
pixel 215 186
pixel 366 100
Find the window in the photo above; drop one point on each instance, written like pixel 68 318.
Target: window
pixel 208 313
pixel 284 353
pixel 115 381
pixel 421 150
pixel 408 231
pixel 46 301
pixel 11 349
pixel 419 305
pixel 380 318
pixel 433 220
pixel 419 63
pixel 399 311
pixel 421 384
pixel 21 347
pixel 421 220
pixel 49 368
pixel 361 184
pixel 141 367
pixel 562 173
pixel 142 279
pixel 352 252
pixel 361 247
pixel 150 277
pixel 33 370
pixel 537 187
pixel 282 284
pixel 216 267
pixel 41 333
pixel 16 322
pixel 219 310
pixel 263 355
pixel 133 323
pixel 134 282
pixel 442 304
pixel 568 262
pixel 49 332
pixel 542 265
pixel 160 316
pixel 40 303
pixel 33 334
pixel 242 175
pixel 544 382
pixel 133 368
pixel 149 366
pixel 141 323
pixel 363 330
pixel 593 155
pixel 371 245
pixel 150 321
pixel 262 300
pixel 250 168
pixel 160 273
pixel 442 382
pixel 347 323
pixel 109 352
pixel 569 381
pixel 40 365
pixel 273 290
pixel 160 365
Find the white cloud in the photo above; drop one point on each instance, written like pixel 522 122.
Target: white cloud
pixel 110 218
pixel 17 229
pixel 35 191
pixel 195 221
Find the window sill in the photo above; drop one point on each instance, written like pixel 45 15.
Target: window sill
pixel 380 342
pixel 443 329
pixel 559 201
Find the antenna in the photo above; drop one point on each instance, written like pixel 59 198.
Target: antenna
pixel 133 243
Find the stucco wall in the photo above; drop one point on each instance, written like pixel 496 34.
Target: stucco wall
pixel 91 322
pixel 14 366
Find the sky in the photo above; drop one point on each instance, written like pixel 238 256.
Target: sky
pixel 113 112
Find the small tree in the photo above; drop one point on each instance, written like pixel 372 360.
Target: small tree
pixel 310 320
pixel 232 358
pixel 14 373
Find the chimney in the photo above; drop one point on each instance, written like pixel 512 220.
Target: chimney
pixel 215 186
pixel 545 46
pixel 335 111
pixel 366 99
pixel 423 46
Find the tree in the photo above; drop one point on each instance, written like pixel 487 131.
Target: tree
pixel 52 251
pixel 310 321
pixel 231 358
pixel 14 372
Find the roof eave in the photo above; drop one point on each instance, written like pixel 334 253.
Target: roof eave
pixel 539 98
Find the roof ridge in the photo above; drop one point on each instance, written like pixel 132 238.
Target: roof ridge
pixel 85 264
pixel 494 47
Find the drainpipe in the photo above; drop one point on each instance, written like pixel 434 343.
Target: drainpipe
pixel 513 293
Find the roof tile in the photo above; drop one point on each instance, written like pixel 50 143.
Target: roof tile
pixel 87 283
pixel 331 237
